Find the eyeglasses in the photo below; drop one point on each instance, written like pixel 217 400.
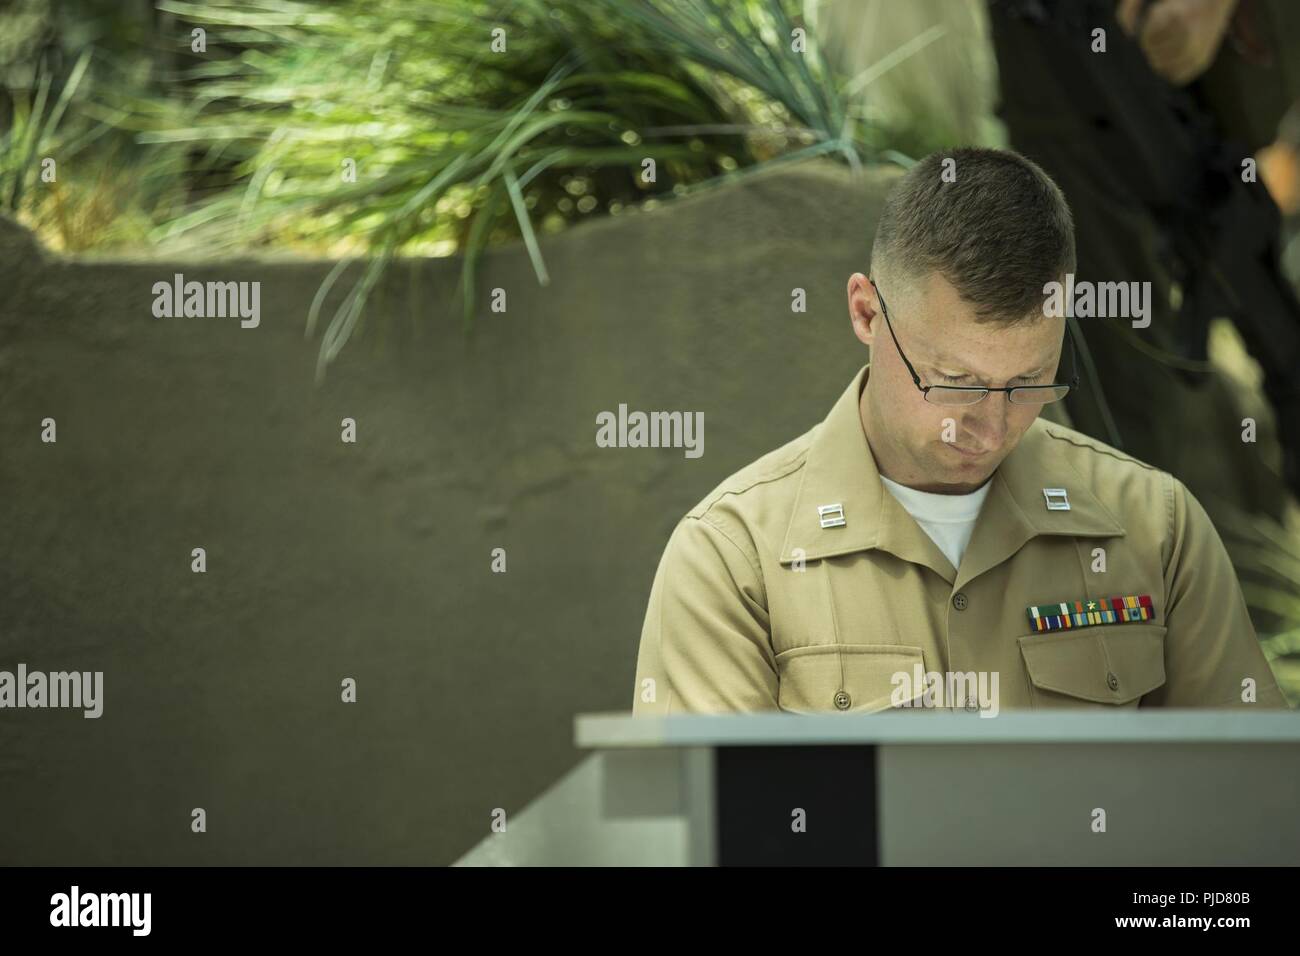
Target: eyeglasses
pixel 970 394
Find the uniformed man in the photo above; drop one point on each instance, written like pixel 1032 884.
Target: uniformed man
pixel 934 525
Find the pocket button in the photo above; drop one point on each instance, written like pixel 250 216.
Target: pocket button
pixel 843 700
pixel 1111 680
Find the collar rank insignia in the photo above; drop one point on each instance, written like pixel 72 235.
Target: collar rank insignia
pixel 1068 614
pixel 831 516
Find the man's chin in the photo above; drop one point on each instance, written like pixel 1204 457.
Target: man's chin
pixel 965 470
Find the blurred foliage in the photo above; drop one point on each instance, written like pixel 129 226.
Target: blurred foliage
pixel 458 143
pixel 1266 557
pixel 35 131
pixel 67 169
pixel 924 72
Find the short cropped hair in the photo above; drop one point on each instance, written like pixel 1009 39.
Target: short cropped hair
pixel 991 222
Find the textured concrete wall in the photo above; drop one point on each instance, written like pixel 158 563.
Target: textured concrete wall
pixel 372 561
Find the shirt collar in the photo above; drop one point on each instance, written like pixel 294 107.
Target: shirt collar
pixel 841 470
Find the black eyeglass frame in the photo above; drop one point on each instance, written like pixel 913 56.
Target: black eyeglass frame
pixel 925 389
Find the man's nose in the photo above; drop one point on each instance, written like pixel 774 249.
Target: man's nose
pixel 986 422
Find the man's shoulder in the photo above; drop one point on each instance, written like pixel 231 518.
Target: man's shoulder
pixel 1094 456
pixel 1095 451
pixel 762 490
pixel 1123 482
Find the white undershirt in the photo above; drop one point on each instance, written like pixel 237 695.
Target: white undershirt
pixel 947 519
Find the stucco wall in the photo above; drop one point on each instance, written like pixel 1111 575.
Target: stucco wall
pixel 372 560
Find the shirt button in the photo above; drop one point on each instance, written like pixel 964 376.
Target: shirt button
pixel 843 700
pixel 972 705
pixel 959 601
pixel 1111 680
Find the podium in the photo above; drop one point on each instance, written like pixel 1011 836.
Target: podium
pixel 1168 788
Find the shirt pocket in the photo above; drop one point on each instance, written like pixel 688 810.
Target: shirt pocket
pixel 1108 665
pixel 844 677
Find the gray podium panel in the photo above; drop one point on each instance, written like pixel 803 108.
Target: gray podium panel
pixel 1176 788
pixel 650 808
pixel 1166 804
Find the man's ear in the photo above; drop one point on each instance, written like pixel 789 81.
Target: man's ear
pixel 864 309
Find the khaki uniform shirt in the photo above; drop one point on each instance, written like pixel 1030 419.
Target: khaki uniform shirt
pixel 758 606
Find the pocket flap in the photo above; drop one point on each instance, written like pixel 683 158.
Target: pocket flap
pixel 844 677
pixel 1106 664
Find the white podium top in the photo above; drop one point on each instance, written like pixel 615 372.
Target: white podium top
pixel 621 730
